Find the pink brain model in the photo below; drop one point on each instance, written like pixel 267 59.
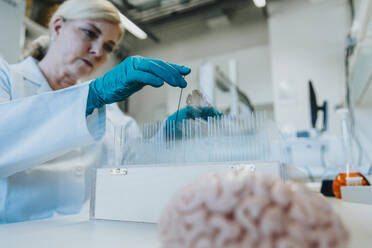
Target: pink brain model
pixel 239 210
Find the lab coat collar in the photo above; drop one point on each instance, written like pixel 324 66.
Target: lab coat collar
pixel 31 71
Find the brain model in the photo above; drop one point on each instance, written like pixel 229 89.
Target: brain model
pixel 239 210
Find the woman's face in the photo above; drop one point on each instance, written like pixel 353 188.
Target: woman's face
pixel 82 46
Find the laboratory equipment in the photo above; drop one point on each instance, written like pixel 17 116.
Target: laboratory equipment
pixel 219 139
pixel 347 179
pixel 314 109
pixel 140 193
pixel 197 107
pixel 351 176
pixel 137 187
pixel 178 107
pixel 308 149
pixel 359 194
pixel 214 138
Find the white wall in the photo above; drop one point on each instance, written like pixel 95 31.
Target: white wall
pixel 245 39
pixel 253 67
pixel 307 41
pixel 201 41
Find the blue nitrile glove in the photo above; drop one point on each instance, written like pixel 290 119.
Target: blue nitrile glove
pixel 188 113
pixel 130 76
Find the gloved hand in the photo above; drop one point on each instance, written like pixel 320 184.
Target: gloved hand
pixel 189 113
pixel 130 76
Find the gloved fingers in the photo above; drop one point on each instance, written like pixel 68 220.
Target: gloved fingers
pixel 181 69
pixel 170 74
pixel 162 70
pixel 149 79
pixel 192 112
pixel 210 111
pixel 202 112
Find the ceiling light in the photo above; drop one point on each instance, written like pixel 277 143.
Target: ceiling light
pixel 259 3
pixel 132 28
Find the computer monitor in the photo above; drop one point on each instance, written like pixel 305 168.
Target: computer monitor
pixel 314 109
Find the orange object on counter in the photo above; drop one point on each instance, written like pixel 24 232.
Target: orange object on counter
pixel 340 181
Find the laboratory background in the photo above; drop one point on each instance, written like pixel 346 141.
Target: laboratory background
pixel 268 145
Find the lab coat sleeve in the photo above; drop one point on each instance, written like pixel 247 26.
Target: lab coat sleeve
pixel 39 128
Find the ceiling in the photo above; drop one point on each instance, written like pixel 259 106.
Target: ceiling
pixel 153 16
pixel 155 11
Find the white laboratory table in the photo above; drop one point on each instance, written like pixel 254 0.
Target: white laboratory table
pixel 79 231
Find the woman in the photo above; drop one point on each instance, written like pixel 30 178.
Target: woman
pixel 49 124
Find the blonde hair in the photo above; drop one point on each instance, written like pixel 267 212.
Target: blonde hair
pixel 100 10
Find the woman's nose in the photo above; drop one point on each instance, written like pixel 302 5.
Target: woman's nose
pixel 96 50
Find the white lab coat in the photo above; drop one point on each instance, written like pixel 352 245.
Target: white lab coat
pixel 48 147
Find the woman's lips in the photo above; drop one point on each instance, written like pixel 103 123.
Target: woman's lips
pixel 87 62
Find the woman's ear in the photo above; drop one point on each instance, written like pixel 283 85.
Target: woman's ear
pixel 57 25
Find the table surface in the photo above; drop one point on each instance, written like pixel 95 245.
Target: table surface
pixel 79 231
